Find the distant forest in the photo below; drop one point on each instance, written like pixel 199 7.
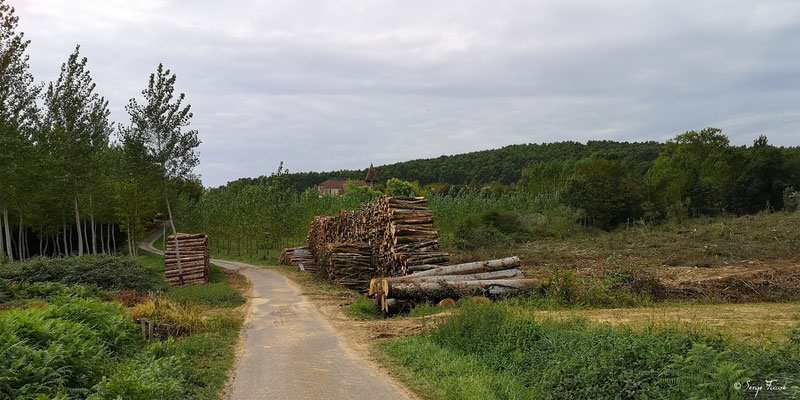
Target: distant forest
pixel 504 165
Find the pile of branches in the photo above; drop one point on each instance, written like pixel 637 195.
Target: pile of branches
pixel 390 237
pixel 491 279
pixel 194 260
pixel 298 257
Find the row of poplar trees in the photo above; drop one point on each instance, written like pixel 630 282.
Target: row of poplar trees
pixel 71 179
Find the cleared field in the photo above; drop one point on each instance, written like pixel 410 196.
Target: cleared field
pixel 755 323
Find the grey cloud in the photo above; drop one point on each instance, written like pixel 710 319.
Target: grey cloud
pixel 332 85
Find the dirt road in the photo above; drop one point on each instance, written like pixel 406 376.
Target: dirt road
pixel 289 352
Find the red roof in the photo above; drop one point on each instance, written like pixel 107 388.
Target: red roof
pixel 372 176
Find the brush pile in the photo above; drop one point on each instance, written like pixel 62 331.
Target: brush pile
pixel 387 238
pixel 194 260
pixel 492 279
pixel 298 256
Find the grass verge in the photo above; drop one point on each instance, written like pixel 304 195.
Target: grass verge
pixel 502 351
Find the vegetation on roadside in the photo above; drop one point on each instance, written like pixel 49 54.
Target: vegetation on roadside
pixel 63 338
pixel 504 351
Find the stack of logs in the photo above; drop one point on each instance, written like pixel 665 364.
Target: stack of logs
pixel 492 279
pixel 390 237
pixel 298 257
pixel 195 267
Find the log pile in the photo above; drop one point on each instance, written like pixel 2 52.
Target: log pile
pixel 387 238
pixel 298 256
pixel 194 257
pixel 492 279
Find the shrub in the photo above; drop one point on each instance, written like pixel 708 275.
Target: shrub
pixel 491 227
pixel 17 291
pixel 105 272
pixel 146 377
pixel 63 349
pixel 185 318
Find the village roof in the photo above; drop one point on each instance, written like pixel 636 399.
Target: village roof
pixel 372 176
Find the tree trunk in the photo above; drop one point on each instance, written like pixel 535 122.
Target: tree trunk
pixel 78 227
pixel 56 246
pixel 86 236
pixel 102 241
pixel 9 248
pixel 91 215
pixel 113 233
pixel 20 245
pixel 130 249
pixel 66 249
pixel 2 239
pixel 471 268
pixel 376 284
pixel 439 290
pixel 175 235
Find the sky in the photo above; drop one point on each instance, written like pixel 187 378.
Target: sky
pixel 329 85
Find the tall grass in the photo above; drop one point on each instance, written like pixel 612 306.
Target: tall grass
pixel 503 351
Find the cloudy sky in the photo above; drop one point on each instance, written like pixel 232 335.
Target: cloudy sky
pixel 326 85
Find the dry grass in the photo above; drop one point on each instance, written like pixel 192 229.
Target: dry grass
pixel 759 323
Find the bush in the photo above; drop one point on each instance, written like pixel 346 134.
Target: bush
pixel 144 378
pixel 184 318
pixel 491 227
pixel 105 272
pixel 11 291
pixel 63 349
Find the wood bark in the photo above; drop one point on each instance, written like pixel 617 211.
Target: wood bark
pixel 375 285
pixel 175 233
pixel 9 248
pixel 472 268
pixel 112 232
pixel 91 215
pixel 2 239
pixel 78 227
pixel 439 290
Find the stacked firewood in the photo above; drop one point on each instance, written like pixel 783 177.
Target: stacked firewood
pixel 298 257
pixel 194 260
pixel 409 238
pixel 349 264
pixel 396 234
pixel 491 279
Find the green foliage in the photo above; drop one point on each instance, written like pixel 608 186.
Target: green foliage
pixel 364 308
pixel 490 228
pixel 703 373
pixel 11 291
pixel 397 187
pixel 146 377
pixel 488 350
pixel 105 272
pixel 607 192
pixel 210 294
pixel 63 349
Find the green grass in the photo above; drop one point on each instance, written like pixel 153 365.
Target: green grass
pixel 364 308
pixel 216 293
pixel 504 351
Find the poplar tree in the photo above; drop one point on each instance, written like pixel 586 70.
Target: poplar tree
pixel 17 117
pixel 159 123
pixel 76 130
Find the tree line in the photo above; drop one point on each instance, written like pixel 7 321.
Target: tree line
pixel 70 178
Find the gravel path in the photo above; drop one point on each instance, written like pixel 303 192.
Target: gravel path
pixel 288 350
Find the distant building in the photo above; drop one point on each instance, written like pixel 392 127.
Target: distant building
pixel 336 187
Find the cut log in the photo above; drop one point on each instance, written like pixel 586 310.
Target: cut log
pixel 472 268
pixel 439 290
pixel 504 274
